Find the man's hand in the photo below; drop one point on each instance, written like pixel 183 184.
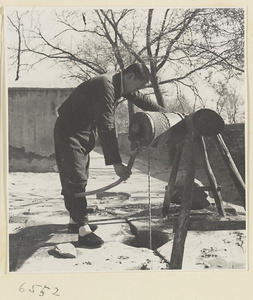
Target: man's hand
pixel 122 171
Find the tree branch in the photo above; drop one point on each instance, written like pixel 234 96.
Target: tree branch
pixel 161 32
pixel 114 44
pixel 63 54
pixel 182 30
pixel 222 58
pixel 129 49
pixel 18 29
pixel 207 65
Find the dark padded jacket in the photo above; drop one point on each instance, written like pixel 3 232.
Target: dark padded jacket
pixel 92 106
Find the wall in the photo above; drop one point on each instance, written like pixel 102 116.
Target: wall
pixel 32 114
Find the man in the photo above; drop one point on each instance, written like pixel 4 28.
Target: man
pixel 90 107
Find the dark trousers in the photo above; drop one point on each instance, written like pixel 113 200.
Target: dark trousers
pixel 72 158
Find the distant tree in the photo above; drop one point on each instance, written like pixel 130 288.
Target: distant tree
pixel 229 104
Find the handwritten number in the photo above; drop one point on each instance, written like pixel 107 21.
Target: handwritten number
pixel 21 289
pixel 56 291
pixel 33 289
pixel 42 291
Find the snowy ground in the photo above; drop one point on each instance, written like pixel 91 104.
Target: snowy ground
pixel 38 221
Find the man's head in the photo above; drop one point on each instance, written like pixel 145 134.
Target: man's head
pixel 135 77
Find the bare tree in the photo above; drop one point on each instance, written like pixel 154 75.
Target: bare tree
pixel 18 26
pixel 184 47
pixel 228 104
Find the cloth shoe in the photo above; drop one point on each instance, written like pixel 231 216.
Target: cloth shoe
pixel 90 240
pixel 73 228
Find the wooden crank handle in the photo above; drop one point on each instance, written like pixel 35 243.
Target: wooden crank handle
pixel 109 186
pixel 105 188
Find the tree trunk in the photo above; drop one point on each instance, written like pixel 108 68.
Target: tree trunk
pixel 157 90
pixel 130 114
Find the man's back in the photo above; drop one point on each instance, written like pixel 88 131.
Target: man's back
pixel 78 110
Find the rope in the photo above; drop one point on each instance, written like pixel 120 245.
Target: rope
pixel 149 202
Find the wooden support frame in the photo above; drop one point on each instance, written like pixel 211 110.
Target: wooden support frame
pixel 212 181
pixel 197 142
pixel 149 128
pixel 214 187
pixel 184 215
pixel 170 187
pixel 231 167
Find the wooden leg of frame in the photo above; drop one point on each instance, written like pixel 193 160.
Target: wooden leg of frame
pixel 184 215
pixel 170 187
pixel 212 181
pixel 231 167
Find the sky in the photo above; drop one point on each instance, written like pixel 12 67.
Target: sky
pixel 44 74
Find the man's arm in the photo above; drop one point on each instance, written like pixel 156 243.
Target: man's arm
pixel 104 118
pixel 144 102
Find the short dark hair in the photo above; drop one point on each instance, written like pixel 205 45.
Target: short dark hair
pixel 140 70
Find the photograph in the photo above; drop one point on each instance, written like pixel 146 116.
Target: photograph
pixel 127 139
